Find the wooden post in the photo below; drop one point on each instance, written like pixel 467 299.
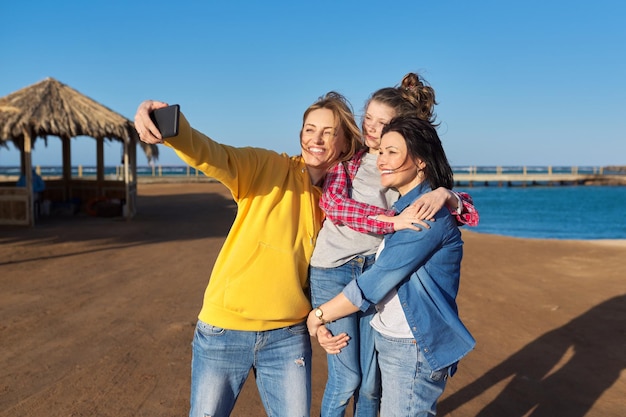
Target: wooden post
pixel 99 166
pixel 67 167
pixel 28 176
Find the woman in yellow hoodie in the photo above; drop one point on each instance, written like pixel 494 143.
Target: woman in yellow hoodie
pixel 256 303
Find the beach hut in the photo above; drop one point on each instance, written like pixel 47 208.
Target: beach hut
pixel 51 108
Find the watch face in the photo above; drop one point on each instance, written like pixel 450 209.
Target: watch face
pixel 318 313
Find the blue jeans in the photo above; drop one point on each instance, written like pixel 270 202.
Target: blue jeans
pixel 410 386
pixel 222 359
pixel 354 371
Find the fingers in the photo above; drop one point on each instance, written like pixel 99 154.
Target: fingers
pixel 430 203
pixel 331 344
pixel 332 351
pixel 146 129
pixel 424 211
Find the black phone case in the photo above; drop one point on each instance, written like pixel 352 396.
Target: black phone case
pixel 166 120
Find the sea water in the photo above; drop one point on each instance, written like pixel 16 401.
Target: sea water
pixel 553 212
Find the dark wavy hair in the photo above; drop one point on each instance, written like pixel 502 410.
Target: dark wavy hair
pixel 423 143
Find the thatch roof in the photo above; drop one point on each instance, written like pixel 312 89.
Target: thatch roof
pixel 51 108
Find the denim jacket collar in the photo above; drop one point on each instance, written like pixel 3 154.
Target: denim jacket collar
pixel 406 200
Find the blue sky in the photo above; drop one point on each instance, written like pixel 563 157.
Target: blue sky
pixel 518 83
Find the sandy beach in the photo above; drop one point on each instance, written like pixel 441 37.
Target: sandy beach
pixel 97 316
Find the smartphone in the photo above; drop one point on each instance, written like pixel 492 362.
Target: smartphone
pixel 166 120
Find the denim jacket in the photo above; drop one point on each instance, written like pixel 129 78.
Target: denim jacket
pixel 425 268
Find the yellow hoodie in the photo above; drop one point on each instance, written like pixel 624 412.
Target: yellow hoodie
pixel 260 278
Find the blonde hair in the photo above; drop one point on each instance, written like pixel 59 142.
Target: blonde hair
pixel 344 117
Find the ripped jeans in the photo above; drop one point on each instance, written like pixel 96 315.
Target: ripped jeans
pixel 222 360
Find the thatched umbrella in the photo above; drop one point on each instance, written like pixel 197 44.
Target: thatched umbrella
pixel 51 108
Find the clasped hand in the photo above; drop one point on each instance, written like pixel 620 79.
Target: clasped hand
pixel 331 344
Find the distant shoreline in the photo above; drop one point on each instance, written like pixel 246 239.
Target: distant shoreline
pixel 464 175
pixel 615 243
pixel 148 179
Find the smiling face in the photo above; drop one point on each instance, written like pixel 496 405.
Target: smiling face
pixel 397 169
pixel 377 115
pixel 322 141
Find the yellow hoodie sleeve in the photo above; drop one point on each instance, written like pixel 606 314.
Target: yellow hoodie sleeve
pixel 221 162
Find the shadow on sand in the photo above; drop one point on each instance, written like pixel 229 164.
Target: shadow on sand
pixel 162 218
pixel 558 373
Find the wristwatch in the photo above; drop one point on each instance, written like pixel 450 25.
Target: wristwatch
pixel 320 315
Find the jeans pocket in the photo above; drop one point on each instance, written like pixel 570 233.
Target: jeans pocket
pixel 209 330
pixel 443 374
pixel 299 328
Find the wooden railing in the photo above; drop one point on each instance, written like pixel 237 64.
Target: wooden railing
pixel 538 176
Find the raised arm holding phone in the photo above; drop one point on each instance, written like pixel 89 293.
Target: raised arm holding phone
pixel 256 303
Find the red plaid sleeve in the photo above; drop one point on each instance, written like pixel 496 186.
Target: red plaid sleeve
pixel 469 215
pixel 341 209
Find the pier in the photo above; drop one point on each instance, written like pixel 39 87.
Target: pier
pixel 464 176
pixel 533 176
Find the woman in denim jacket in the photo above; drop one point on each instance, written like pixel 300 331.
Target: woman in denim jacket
pixel 414 282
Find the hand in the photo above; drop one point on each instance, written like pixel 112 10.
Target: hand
pixel 331 344
pixel 430 203
pixel 146 129
pixel 406 220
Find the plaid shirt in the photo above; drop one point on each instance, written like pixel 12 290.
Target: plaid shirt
pixel 340 208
